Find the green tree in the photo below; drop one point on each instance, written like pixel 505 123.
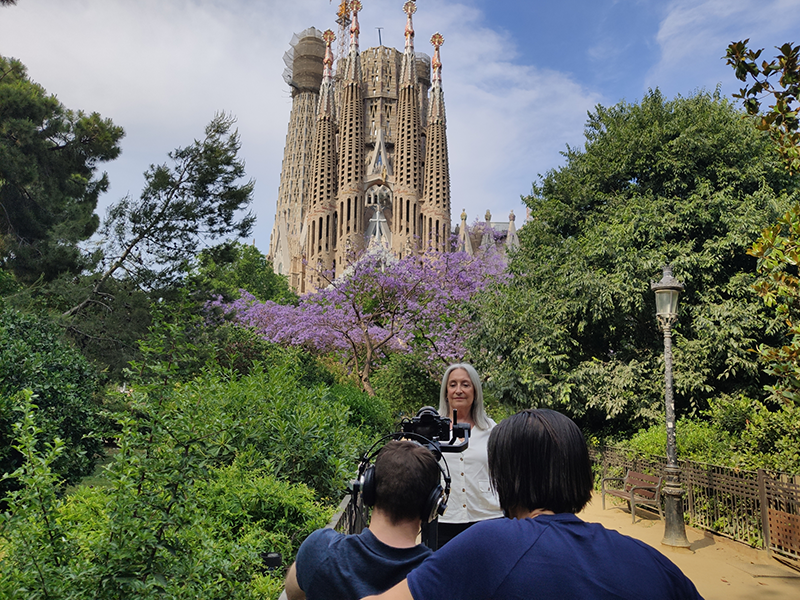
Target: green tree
pixel 49 157
pixel 232 266
pixel 33 356
pixel 197 199
pixel 781 120
pixel 778 248
pixel 683 181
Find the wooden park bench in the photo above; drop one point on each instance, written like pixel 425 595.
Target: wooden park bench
pixel 638 488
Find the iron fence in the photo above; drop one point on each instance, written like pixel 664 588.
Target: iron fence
pixel 351 516
pixel 758 508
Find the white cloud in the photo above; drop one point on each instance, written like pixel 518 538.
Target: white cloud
pixel 695 35
pixel 507 122
pixel 162 68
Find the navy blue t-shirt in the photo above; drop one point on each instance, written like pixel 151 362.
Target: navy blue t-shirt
pixel 333 565
pixel 549 557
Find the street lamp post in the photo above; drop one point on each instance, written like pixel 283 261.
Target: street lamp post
pixel 667 291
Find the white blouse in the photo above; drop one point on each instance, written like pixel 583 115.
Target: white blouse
pixel 471 497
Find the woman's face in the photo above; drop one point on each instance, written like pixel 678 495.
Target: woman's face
pixel 460 393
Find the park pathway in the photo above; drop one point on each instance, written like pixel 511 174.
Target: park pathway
pixel 721 569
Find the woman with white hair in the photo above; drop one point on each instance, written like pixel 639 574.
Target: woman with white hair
pixel 471 496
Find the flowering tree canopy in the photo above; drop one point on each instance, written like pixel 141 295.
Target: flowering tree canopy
pixel 381 304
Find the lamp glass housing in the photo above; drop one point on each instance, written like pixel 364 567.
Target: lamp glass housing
pixel 666 302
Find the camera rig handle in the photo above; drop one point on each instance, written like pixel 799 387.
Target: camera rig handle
pixel 459 431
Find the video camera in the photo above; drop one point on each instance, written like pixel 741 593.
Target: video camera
pixel 429 425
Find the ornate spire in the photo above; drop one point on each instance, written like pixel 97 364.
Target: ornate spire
pixel 327 72
pixel 436 109
pixel 408 74
pixel 355 6
pixel 326 108
pixel 409 8
pixel 353 64
pixel 437 40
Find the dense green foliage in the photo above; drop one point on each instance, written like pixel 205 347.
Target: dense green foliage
pixel 737 432
pixel 49 157
pixel 177 519
pixel 226 269
pixel 404 385
pixel 684 181
pixel 33 356
pixel 210 474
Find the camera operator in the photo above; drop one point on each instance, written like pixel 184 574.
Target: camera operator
pixel 540 467
pixel 333 565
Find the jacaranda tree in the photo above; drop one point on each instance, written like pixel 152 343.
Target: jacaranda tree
pixel 378 305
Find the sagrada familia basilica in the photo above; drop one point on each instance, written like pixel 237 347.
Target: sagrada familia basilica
pixel 365 162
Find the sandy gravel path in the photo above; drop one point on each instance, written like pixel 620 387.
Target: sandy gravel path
pixel 720 568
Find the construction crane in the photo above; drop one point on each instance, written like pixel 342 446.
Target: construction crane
pixel 343 20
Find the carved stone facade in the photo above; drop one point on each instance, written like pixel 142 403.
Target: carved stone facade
pixel 366 159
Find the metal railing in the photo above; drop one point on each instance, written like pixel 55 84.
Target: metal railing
pixel 759 508
pixel 351 516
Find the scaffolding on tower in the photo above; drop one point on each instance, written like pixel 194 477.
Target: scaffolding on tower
pixel 343 20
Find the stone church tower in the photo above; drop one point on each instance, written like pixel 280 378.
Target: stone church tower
pixel 365 162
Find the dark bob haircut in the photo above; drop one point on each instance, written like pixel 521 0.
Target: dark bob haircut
pixel 538 460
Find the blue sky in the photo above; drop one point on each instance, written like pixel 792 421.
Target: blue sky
pixel 519 76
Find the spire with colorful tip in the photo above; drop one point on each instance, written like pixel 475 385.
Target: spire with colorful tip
pixel 355 7
pixel 409 8
pixel 327 72
pixel 326 92
pixel 437 40
pixel 408 75
pixel 353 62
pixel 436 110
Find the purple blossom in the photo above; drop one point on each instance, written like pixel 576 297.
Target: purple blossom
pixel 380 305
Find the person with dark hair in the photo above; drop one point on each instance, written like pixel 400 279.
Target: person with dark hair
pixel 333 565
pixel 539 465
pixel 471 496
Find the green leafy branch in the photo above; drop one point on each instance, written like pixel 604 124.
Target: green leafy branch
pixel 781 120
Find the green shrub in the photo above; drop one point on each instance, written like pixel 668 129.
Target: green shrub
pixel 696 440
pixel 736 432
pixel 245 498
pixel 198 492
pixel 33 356
pixel 371 413
pixel 771 439
pixel 405 386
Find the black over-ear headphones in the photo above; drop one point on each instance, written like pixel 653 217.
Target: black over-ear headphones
pixel 436 503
